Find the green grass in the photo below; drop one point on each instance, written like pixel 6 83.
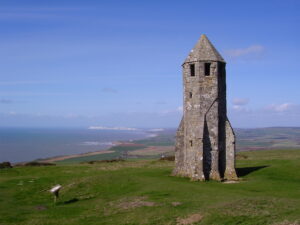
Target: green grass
pixel 118 150
pixel 269 193
pixel 164 139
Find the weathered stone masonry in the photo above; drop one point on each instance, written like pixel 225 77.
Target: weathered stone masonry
pixel 205 141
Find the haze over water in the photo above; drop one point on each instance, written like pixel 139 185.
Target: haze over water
pixel 25 144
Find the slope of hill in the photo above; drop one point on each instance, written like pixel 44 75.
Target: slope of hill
pixel 143 192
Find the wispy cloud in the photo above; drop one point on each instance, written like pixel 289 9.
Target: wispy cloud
pixel 240 108
pixel 248 52
pixel 240 101
pixel 282 114
pixel 239 104
pixel 282 107
pixel 177 110
pixel 12 113
pixel 286 108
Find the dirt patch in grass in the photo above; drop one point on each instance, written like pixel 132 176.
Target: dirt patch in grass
pixel 241 156
pixel 176 203
pixel 230 182
pixel 287 223
pixel 130 164
pixel 191 219
pixel 167 158
pixel 135 202
pixel 40 207
pixel 257 206
pixel 126 204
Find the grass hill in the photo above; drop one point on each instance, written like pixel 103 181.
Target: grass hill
pixel 143 192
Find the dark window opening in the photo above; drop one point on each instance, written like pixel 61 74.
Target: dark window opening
pixel 220 69
pixel 191 94
pixel 191 143
pixel 192 70
pixel 207 69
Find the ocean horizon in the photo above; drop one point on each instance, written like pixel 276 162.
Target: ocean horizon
pixel 28 144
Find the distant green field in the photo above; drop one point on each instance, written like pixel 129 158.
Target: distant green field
pixel 247 139
pixel 143 192
pixel 119 150
pixel 163 139
pixel 268 138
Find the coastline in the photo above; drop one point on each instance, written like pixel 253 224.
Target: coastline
pixel 61 144
pixel 98 152
pixel 71 156
pixel 139 151
pixel 64 157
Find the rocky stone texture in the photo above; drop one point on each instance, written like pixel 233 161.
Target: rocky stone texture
pixel 230 173
pixel 205 142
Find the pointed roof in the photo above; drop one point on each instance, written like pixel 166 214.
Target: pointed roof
pixel 204 50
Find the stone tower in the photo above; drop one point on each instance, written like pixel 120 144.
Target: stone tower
pixel 205 142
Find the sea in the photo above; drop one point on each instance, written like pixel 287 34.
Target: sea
pixel 27 144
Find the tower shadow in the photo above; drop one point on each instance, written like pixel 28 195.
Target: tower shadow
pixel 206 152
pixel 241 172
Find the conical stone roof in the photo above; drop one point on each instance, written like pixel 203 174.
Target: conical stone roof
pixel 204 51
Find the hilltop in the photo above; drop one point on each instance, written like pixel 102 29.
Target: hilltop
pixel 143 192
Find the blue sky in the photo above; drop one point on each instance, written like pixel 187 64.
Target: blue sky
pixel 118 63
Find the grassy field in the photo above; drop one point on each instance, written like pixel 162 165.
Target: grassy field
pixel 117 152
pixel 143 192
pixel 268 138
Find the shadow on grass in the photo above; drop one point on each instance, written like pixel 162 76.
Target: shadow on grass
pixel 246 170
pixel 71 201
